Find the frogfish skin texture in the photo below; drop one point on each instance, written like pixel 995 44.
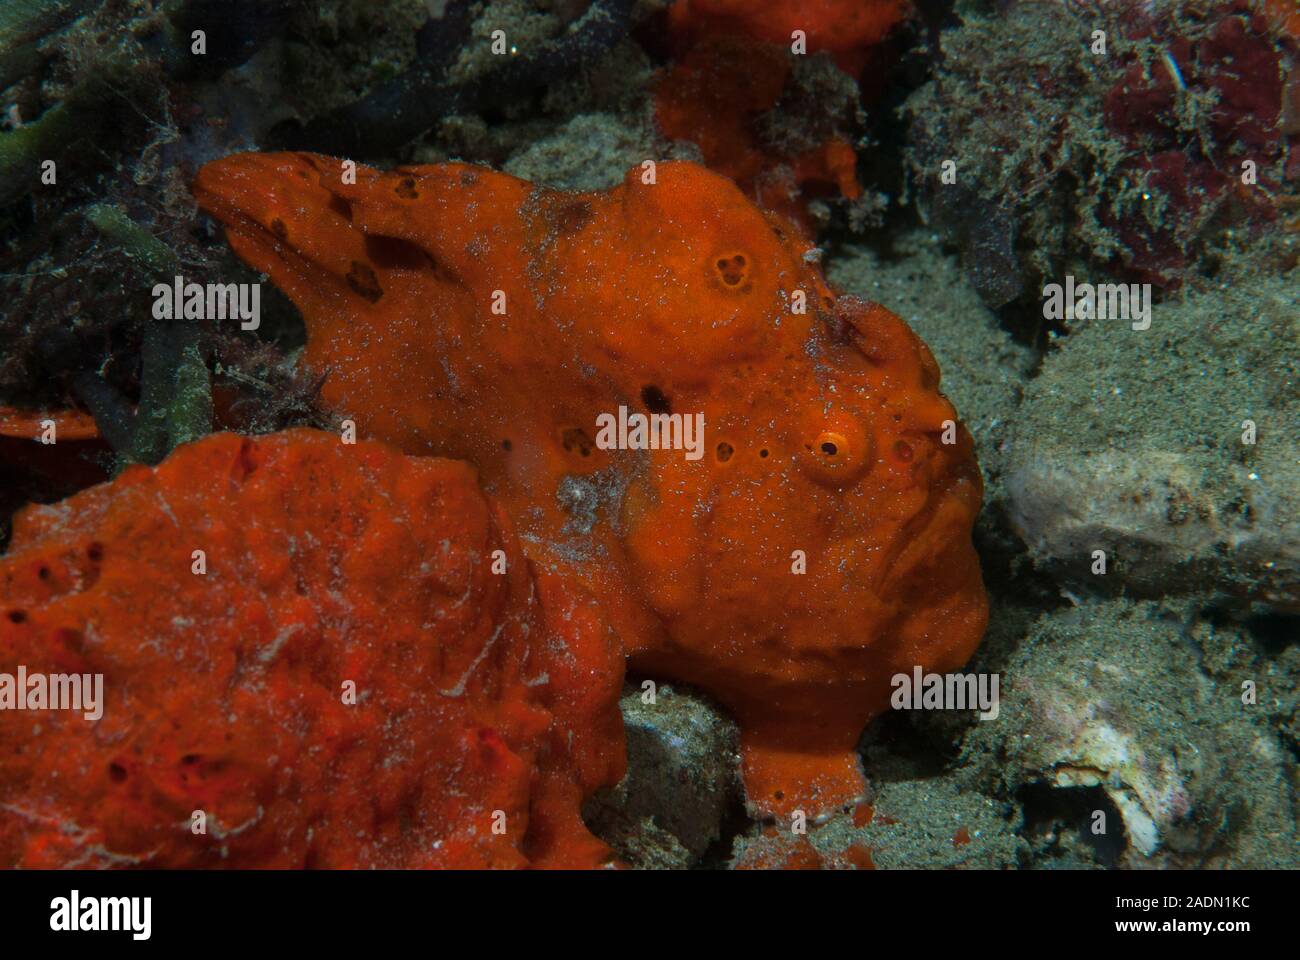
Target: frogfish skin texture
pixel 481 699
pixel 822 543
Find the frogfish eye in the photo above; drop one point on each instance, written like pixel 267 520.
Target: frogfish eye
pixel 831 443
pixel 835 448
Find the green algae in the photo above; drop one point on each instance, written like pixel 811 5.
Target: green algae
pixel 176 391
pixel 137 243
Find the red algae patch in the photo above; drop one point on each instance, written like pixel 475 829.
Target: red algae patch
pixel 734 61
pixel 312 654
pixel 52 424
pixel 716 95
pixel 843 28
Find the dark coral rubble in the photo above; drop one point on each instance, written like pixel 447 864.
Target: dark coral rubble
pixel 1142 159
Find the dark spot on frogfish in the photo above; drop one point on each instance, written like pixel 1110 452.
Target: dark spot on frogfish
pixel 362 280
pixel 572 217
pixel 655 400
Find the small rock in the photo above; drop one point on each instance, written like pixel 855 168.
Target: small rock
pixel 1110 696
pixel 1173 450
pixel 682 779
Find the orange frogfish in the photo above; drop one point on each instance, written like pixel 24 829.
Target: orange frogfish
pixel 311 654
pixel 755 477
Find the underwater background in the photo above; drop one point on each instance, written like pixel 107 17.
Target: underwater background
pixel 953 161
